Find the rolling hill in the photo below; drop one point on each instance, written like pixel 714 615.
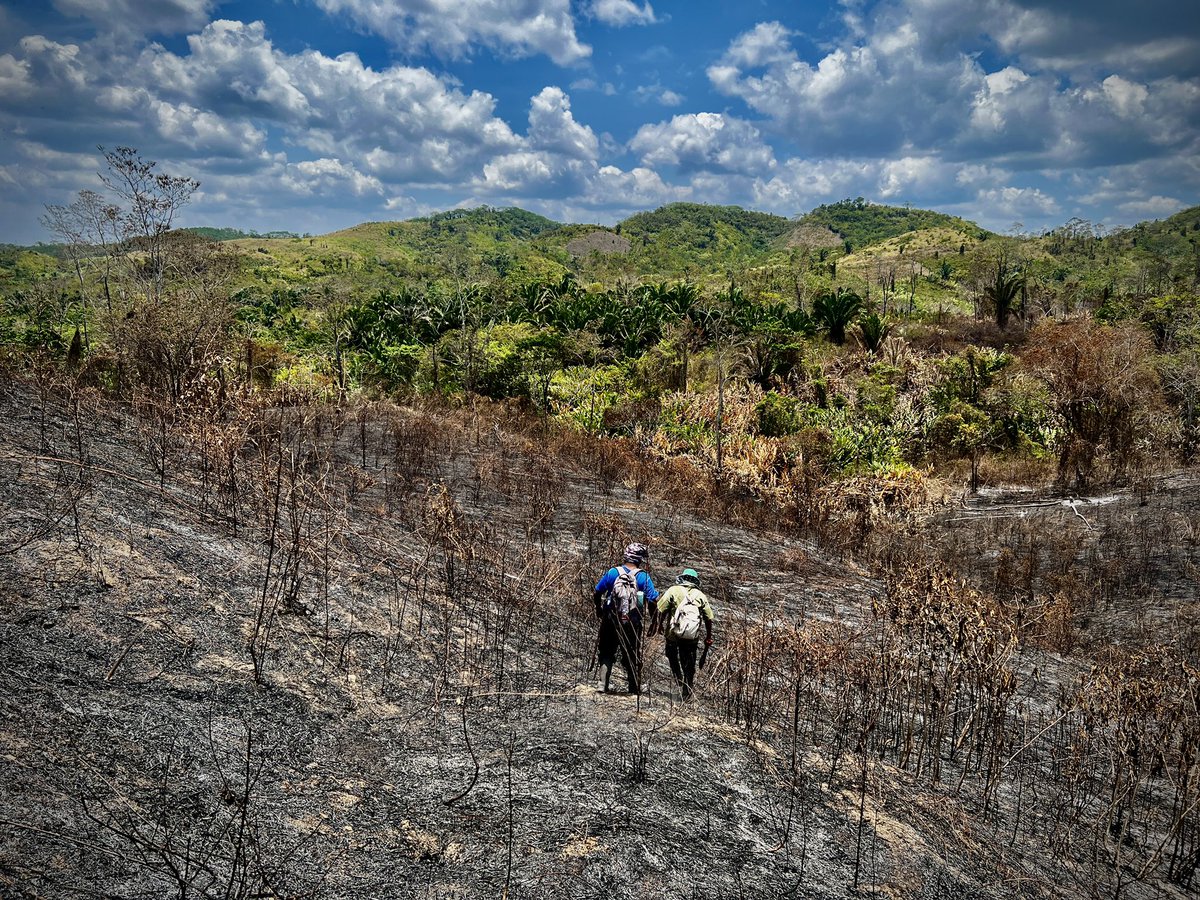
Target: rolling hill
pixel 861 223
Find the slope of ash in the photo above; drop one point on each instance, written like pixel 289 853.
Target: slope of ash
pixel 311 650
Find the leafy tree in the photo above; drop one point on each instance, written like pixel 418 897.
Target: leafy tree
pixel 149 203
pixel 965 376
pixel 170 323
pixel 91 229
pixel 777 415
pixel 967 431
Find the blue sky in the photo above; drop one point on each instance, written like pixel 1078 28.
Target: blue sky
pixel 313 115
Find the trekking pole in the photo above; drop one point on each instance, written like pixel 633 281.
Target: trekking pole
pixel 704 656
pixel 595 652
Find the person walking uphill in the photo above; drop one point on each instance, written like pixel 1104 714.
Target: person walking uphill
pixel 680 613
pixel 623 597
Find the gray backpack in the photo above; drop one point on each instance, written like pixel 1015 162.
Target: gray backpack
pixel 624 596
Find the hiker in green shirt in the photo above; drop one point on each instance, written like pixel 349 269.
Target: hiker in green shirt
pixel 681 612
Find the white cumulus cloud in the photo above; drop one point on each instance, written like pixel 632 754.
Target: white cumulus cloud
pixel 319 176
pixel 453 27
pixel 704 141
pixel 909 81
pixel 622 12
pixel 553 128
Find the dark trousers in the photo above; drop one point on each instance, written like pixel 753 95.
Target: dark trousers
pixel 682 657
pixel 623 639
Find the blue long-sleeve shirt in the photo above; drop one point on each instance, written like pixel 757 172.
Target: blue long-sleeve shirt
pixel 644 584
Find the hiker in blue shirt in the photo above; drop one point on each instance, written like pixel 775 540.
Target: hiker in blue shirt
pixel 624 599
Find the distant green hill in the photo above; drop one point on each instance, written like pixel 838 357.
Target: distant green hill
pixel 705 243
pixel 694 237
pixel 862 223
pixel 511 223
pixel 466 244
pixel 235 234
pixel 1174 235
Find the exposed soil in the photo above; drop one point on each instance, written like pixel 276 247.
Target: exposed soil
pixel 401 705
pixel 812 236
pixel 602 242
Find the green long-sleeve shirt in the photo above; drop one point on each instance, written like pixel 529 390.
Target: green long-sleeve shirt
pixel 674 596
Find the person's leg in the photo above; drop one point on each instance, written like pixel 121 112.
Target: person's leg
pixel 687 662
pixel 629 649
pixel 606 649
pixel 673 659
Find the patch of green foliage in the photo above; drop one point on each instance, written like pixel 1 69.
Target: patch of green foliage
pixel 234 234
pixel 854 361
pixel 693 238
pixel 511 223
pixel 861 223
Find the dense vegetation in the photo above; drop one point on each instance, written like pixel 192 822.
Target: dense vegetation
pixel 233 234
pixel 861 223
pixel 935 344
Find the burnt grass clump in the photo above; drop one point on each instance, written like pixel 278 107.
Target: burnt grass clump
pixel 276 646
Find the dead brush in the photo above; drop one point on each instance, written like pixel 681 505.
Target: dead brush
pixel 750 680
pixel 491 473
pixel 847 513
pixel 607 534
pixel 1136 774
pixel 416 440
pixel 293 484
pixel 797 561
pixel 543 492
pixel 950 648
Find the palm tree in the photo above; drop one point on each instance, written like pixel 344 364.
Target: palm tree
pixel 1005 287
pixel 533 302
pixel 872 331
pixel 680 298
pixel 835 311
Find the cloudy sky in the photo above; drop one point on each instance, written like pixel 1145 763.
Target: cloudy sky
pixel 312 115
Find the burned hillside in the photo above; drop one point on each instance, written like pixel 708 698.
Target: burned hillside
pixel 303 648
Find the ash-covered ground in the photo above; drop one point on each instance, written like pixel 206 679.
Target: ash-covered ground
pixel 349 655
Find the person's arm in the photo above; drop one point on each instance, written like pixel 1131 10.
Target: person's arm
pixel 648 588
pixel 662 611
pixel 706 612
pixel 655 619
pixel 650 593
pixel 600 591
